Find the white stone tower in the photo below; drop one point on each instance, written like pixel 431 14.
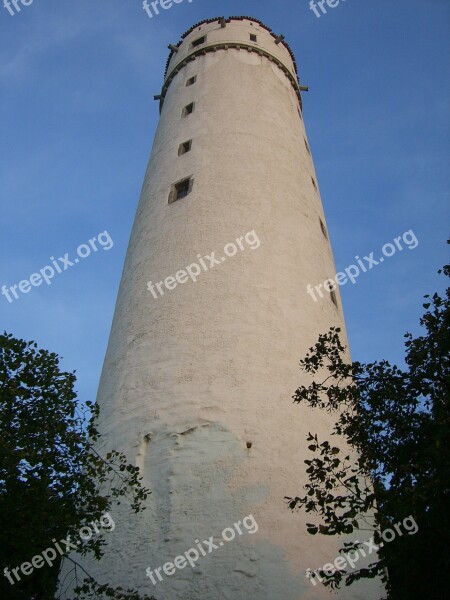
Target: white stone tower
pixel 197 381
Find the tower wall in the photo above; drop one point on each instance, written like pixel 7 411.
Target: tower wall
pixel 192 376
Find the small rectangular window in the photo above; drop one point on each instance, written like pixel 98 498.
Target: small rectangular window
pixel 181 189
pixel 253 37
pixel 322 226
pixel 185 147
pixel 198 41
pixel 187 110
pixel 191 80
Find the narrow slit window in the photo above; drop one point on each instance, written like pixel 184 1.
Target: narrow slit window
pixel 181 189
pixel 322 227
pixel 188 110
pixel 185 147
pixel 253 37
pixel 199 41
pixel 191 80
pixel 307 147
pixel 333 298
pixel 314 182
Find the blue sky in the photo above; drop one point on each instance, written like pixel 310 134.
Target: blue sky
pixel 78 117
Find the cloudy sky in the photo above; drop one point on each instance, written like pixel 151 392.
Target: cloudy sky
pixel 77 120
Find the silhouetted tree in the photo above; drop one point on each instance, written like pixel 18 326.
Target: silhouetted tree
pixel 52 480
pixel 398 422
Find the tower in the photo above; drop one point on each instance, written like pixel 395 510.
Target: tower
pixel 202 360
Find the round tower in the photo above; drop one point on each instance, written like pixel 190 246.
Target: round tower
pixel 211 320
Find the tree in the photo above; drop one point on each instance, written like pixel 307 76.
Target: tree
pixel 52 480
pixel 397 422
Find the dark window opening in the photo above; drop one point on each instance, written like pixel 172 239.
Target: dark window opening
pixel 198 41
pixel 322 226
pixel 307 147
pixel 185 147
pixel 314 183
pixel 181 189
pixel 253 37
pixel 191 80
pixel 187 110
pixel 333 298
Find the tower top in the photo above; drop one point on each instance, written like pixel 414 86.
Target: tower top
pixel 228 20
pixel 220 33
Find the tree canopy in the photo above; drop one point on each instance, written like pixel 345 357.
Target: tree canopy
pixel 397 420
pixel 53 482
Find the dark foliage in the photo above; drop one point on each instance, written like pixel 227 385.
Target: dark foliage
pixel 52 480
pixel 396 422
